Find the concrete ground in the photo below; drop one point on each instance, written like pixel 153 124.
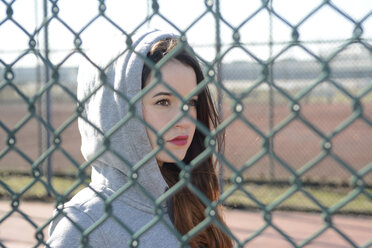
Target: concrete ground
pixel 15 232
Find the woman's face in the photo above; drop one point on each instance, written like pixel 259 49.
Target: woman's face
pixel 160 106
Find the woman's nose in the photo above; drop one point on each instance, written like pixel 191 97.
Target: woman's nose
pixel 185 122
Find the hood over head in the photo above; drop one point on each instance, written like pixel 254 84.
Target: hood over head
pixel 106 114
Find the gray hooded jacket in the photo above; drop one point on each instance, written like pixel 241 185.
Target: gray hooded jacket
pixel 131 210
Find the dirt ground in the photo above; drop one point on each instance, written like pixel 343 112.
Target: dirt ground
pixel 243 224
pixel 296 144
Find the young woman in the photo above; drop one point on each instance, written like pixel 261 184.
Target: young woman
pixel 114 211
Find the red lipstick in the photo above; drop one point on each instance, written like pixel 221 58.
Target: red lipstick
pixel 179 140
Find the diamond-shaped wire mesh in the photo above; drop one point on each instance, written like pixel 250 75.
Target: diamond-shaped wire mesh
pixel 294 92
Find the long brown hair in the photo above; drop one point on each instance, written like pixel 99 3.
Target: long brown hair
pixel 188 208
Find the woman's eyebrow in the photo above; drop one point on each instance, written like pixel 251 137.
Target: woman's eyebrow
pixel 162 93
pixel 167 94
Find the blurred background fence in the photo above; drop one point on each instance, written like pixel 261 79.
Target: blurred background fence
pixel 302 74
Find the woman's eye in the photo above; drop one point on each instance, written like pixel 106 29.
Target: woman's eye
pixel 193 102
pixel 163 102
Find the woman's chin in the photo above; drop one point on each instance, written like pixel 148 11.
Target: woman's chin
pixel 165 158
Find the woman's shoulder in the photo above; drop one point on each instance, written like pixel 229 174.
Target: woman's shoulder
pixel 86 211
pixel 87 203
pixel 74 217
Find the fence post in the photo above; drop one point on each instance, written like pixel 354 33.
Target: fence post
pixel 46 107
pixel 219 81
pixel 38 86
pixel 271 94
pixel 218 62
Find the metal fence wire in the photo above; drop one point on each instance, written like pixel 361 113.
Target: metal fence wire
pixel 274 110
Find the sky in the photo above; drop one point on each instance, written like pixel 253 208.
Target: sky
pixel 325 24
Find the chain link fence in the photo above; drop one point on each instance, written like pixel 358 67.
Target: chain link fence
pixel 294 91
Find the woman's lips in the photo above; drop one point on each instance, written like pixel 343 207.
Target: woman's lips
pixel 179 140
